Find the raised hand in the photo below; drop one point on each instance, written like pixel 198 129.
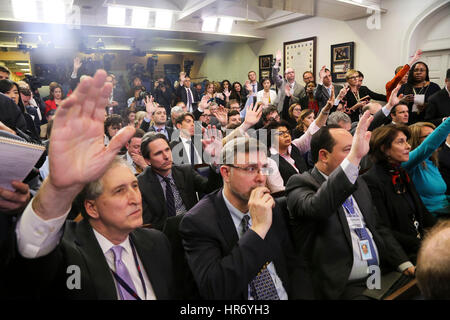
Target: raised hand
pixel 252 116
pixel 322 73
pixel 248 86
pixel 227 93
pixel 212 145
pixel 150 105
pixel 204 104
pixel 343 92
pixel 221 114
pixel 77 154
pixel 77 63
pixel 278 55
pixel 260 206
pixel 415 57
pixel 360 143
pixel 393 98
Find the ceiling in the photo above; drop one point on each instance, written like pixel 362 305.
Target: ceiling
pixel 87 22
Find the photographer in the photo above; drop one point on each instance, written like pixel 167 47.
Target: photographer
pixel 137 102
pixel 163 96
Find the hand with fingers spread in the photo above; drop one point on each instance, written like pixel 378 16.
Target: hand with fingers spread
pixel 150 106
pixel 248 87
pixel 394 99
pixel 221 114
pixel 11 201
pixel 252 116
pixel 360 143
pixel 416 57
pixel 322 73
pixel 278 56
pixel 227 93
pixel 77 154
pixel 212 145
pixel 343 92
pixel 77 64
pixel 260 207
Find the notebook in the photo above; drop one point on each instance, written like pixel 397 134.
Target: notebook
pixel 17 159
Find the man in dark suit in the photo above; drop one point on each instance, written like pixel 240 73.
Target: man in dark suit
pixel 184 93
pixel 106 255
pixel 253 84
pixel 439 104
pixel 235 238
pixel 323 90
pixel 185 147
pixel 159 117
pixel 332 239
pixel 160 200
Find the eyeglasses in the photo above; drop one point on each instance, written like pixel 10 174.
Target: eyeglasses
pixel 352 78
pixel 252 170
pixel 297 109
pixel 282 133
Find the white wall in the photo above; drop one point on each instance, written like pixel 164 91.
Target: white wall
pixel 377 52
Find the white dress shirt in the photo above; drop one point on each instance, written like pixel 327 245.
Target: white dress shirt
pixel 37 237
pixel 187 150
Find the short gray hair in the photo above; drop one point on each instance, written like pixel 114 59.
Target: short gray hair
pixel 176 109
pixel 338 116
pixel 240 145
pixel 94 189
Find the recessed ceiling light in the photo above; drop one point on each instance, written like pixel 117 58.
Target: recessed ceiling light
pixel 116 15
pixel 163 19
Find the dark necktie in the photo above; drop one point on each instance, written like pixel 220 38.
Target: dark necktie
pixel 193 154
pixel 189 99
pixel 170 200
pixel 361 232
pixel 262 286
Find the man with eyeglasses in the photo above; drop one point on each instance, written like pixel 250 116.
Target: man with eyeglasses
pixel 236 241
pixel 296 90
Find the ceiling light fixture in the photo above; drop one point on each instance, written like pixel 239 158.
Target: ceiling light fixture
pixel 54 11
pixel 225 25
pixel 25 10
pixel 163 19
pixel 116 15
pixel 209 24
pixel 139 18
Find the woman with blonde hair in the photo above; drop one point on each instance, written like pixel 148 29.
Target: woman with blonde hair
pixel 140 115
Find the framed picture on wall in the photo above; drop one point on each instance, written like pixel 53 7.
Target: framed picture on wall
pixel 265 66
pixel 300 55
pixel 342 59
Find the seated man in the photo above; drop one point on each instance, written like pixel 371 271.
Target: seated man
pixel 333 216
pixel 133 155
pixel 106 255
pixel 169 190
pixel 236 241
pixel 439 104
pixel 186 149
pixel 400 114
pixel 234 119
pixel 157 114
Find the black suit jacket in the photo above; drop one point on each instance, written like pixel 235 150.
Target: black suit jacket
pixel 147 128
pixel 178 151
pixel 322 95
pixel 188 182
pixel 46 277
pixel 223 265
pixel 396 211
pixel 438 107
pixel 182 96
pixel 286 169
pixel 321 231
pixel 351 100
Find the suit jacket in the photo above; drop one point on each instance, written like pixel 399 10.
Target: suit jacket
pixel 299 90
pixel 259 87
pixel 147 128
pixel 322 95
pixel 179 155
pixel 182 96
pixel 46 277
pixel 438 107
pixel 286 169
pixel 321 230
pixel 188 182
pixel 351 100
pixel 223 265
pixel 396 211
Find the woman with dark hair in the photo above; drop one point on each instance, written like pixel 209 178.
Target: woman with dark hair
pixel 112 125
pixel 56 97
pixel 266 95
pixel 225 88
pixel 309 101
pixel 11 89
pixel 393 191
pixel 421 87
pixel 237 93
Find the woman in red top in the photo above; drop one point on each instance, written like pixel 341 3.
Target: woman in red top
pixel 55 98
pixel 401 74
pixel 309 101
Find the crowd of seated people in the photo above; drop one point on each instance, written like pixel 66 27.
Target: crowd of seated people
pixel 270 190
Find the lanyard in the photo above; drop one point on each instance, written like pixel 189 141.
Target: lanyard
pixel 124 284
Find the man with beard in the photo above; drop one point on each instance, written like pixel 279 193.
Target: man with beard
pixel 236 241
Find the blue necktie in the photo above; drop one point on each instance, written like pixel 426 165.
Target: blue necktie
pixel 262 286
pixel 254 87
pixel 361 232
pixel 122 272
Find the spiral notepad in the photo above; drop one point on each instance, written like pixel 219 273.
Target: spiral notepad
pixel 17 158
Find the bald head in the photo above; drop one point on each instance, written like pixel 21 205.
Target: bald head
pixel 433 263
